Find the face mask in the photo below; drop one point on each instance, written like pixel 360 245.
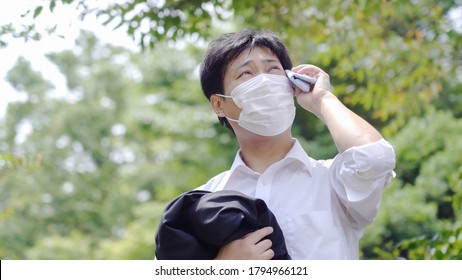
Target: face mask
pixel 267 104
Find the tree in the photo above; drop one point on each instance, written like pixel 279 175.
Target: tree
pixel 382 55
pixel 421 212
pixel 94 170
pixel 107 155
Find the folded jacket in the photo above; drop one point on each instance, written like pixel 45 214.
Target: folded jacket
pixel 196 224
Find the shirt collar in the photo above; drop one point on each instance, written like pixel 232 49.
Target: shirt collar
pixel 296 153
pixel 239 163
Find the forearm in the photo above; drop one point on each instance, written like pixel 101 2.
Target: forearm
pixel 346 127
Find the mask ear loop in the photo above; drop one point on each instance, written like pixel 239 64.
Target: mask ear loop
pixel 224 121
pixel 222 95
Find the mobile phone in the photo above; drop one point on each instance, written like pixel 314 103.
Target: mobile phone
pixel 303 82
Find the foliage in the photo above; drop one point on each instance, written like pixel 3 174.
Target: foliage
pixel 107 156
pixel 86 175
pixel 429 178
pixel 445 245
pixel 397 54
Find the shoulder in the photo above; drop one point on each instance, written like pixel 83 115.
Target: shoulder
pixel 214 182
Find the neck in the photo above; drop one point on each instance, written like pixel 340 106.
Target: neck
pixel 260 152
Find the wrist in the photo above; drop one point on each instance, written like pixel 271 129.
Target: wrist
pixel 326 106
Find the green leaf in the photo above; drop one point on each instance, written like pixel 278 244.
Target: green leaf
pixel 52 5
pixel 37 11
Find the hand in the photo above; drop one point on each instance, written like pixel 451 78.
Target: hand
pixel 249 247
pixel 347 128
pixel 322 88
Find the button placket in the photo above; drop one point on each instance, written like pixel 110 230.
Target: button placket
pixel 263 189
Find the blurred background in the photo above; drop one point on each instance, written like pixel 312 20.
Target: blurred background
pixel 103 121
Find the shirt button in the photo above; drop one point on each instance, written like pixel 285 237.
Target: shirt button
pixel 263 183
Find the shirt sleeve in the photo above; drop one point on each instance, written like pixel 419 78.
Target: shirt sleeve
pixel 358 177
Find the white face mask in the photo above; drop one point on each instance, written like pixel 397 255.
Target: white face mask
pixel 267 104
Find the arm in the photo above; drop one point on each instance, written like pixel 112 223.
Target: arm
pixel 347 128
pixel 358 175
pixel 249 247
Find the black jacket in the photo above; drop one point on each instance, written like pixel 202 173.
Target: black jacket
pixel 196 224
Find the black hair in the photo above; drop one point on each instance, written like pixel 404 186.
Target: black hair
pixel 229 46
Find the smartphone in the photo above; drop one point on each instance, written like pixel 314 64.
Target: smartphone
pixel 303 82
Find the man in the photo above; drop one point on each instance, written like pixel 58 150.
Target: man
pixel 321 206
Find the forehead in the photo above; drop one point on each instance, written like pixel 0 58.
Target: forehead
pixel 256 54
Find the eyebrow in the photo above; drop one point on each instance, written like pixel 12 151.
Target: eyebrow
pixel 267 61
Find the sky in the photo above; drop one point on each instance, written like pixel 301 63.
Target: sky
pixel 34 51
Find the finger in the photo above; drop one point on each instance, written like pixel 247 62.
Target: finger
pixel 323 79
pixel 297 90
pixel 258 235
pixel 308 69
pixel 302 66
pixel 264 245
pixel 268 255
pixel 323 82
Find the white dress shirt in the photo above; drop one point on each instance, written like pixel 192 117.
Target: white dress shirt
pixel 322 206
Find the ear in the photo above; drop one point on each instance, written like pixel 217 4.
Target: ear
pixel 217 105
